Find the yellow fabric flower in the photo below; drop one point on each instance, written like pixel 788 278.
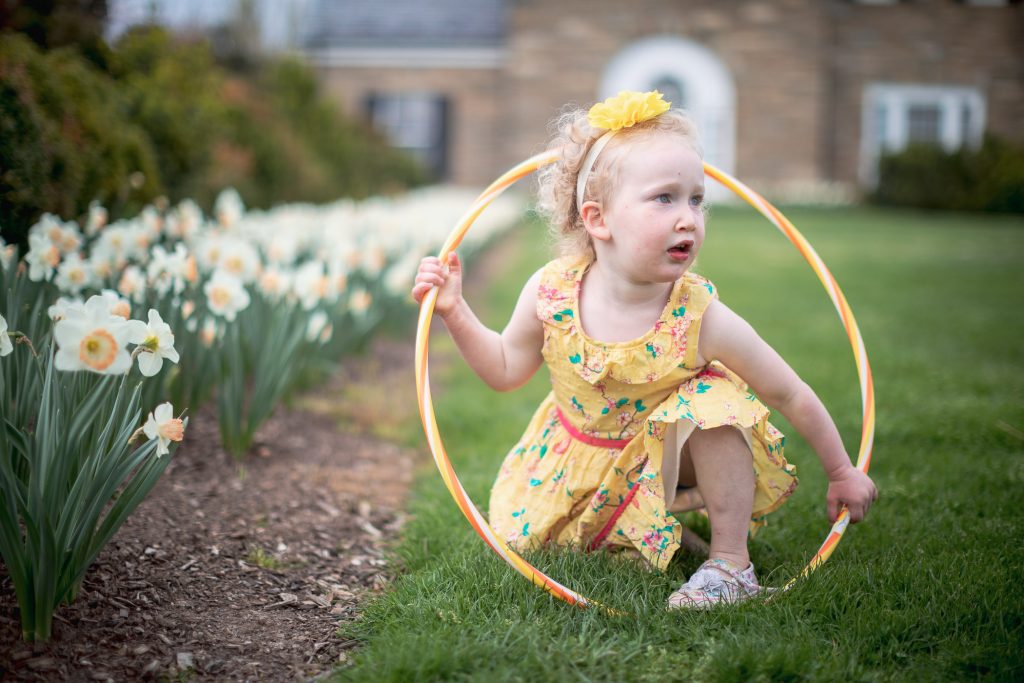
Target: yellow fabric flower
pixel 627 109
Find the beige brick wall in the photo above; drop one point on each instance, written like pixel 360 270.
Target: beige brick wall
pixel 932 42
pixel 474 108
pixel 558 52
pixel 799 67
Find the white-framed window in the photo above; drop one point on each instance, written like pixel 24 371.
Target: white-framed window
pixel 416 122
pixel 896 115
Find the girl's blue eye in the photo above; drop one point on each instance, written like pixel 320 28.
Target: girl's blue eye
pixel 697 200
pixel 663 198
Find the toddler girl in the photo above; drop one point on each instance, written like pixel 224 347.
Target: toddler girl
pixel 645 364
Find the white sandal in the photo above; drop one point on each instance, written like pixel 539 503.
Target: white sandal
pixel 716 581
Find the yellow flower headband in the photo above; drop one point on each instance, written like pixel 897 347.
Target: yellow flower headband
pixel 625 110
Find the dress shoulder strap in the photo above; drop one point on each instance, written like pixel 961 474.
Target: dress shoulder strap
pixel 559 289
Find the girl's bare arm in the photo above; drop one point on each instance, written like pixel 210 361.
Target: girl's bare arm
pixel 726 337
pixel 504 361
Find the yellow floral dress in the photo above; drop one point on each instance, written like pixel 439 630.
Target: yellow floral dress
pixel 587 472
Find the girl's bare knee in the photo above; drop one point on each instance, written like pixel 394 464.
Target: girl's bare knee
pixel 718 439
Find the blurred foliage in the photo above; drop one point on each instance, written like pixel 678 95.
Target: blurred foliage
pixel 163 118
pixel 990 178
pixel 64 139
pixel 59 23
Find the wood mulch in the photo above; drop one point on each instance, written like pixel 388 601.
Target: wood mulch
pixel 232 571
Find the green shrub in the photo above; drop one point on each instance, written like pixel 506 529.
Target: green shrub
pixel 990 178
pixel 64 140
pixel 166 119
pixel 172 90
pixel 355 156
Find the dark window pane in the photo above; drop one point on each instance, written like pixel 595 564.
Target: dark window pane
pixel 924 123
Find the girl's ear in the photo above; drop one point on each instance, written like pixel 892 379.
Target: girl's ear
pixel 593 221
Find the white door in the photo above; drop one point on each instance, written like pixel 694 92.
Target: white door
pixel 691 77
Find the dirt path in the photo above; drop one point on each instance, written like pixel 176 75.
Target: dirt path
pixel 243 575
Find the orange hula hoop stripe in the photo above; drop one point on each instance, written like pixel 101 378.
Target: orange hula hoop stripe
pixel 426 405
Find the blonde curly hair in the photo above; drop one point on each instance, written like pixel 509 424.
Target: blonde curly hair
pixel 556 197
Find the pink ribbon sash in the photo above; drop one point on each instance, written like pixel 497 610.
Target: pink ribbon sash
pixel 586 438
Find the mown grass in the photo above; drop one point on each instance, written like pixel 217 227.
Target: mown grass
pixel 929 587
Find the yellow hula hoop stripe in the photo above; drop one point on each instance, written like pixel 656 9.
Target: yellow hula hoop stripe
pixel 429 420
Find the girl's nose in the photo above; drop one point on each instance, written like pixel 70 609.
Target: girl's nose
pixel 686 222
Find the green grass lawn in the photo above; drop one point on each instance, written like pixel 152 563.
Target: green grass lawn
pixel 928 588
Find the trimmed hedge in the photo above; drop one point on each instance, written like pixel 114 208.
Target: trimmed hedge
pixel 164 119
pixel 990 178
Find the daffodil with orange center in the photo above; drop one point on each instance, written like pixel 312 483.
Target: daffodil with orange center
pixel 90 338
pixel 163 426
pixel 225 295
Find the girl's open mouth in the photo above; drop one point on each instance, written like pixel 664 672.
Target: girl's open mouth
pixel 680 251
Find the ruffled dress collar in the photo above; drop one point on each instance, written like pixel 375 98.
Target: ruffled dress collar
pixel 668 346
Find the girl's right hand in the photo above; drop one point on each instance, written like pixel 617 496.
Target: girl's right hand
pixel 448 278
pixel 852 488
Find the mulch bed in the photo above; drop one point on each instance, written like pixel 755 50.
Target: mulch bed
pixel 241 571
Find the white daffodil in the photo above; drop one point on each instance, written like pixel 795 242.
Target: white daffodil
pixel 318 327
pixel 90 338
pixel 225 295
pixel 97 218
pixel 59 310
pixel 47 225
pixel 209 332
pixel 113 245
pixel 184 220
pixel 151 222
pixel 119 306
pixel 228 208
pixel 139 240
pixel 353 256
pixel 239 258
pixel 132 284
pixel 100 267
pixel 5 339
pixel 399 277
pixel 65 236
pixel 74 274
pixel 208 250
pixel 310 284
pixel 359 301
pixel 169 271
pixel 373 261
pixel 42 257
pixel 337 279
pixel 158 345
pixel 162 425
pixel 274 283
pixel 7 254
pixel 282 249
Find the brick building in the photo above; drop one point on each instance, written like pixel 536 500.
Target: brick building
pixel 793 96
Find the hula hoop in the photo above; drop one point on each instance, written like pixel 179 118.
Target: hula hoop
pixel 426 405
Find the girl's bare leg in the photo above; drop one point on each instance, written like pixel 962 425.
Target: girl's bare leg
pixel 720 460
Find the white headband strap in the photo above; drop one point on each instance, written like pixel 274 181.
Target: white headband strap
pixel 588 166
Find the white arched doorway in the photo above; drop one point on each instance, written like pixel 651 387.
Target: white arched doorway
pixel 690 76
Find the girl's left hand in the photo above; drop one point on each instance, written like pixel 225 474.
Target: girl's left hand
pixel 852 488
